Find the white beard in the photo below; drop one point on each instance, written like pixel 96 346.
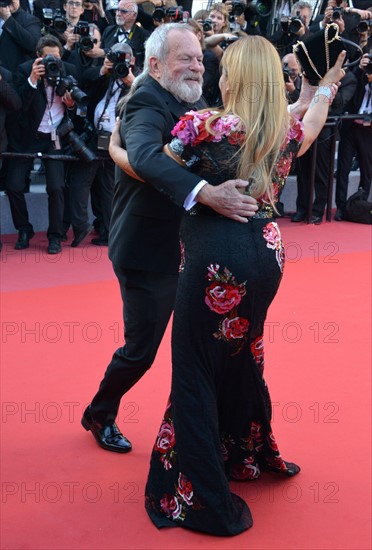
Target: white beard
pixel 181 89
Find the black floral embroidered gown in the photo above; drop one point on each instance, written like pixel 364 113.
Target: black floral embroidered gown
pixel 216 426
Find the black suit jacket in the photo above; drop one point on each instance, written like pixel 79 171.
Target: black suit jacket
pixel 146 216
pixel 9 102
pixel 34 103
pixel 18 40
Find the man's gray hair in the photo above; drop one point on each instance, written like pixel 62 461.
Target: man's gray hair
pixel 157 45
pixel 134 5
pixel 300 5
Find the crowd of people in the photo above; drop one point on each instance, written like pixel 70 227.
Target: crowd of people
pixel 66 64
pixel 66 104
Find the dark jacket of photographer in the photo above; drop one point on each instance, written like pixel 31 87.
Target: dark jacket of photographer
pixel 34 102
pixel 80 60
pixel 96 87
pixel 9 102
pixel 18 39
pixel 138 37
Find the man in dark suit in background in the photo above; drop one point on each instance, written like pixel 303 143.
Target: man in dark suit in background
pixel 35 131
pixel 144 233
pixel 19 33
pixel 126 30
pixel 356 137
pixel 9 102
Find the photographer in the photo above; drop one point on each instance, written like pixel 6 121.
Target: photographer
pixel 36 130
pixel 105 86
pixel 356 137
pixel 94 13
pixel 87 52
pixel 19 33
pixel 292 77
pixel 293 28
pixel 243 17
pixel 126 31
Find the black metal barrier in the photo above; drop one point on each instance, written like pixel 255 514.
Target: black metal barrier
pixel 331 122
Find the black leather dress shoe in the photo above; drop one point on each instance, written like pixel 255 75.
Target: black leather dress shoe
pixel 108 436
pixel 23 241
pixel 338 216
pixel 100 241
pixel 316 220
pixel 298 217
pixel 80 236
pixel 54 246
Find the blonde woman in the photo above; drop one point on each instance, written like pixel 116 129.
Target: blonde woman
pixel 217 423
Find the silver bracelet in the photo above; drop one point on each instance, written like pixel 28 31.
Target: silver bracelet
pixel 324 90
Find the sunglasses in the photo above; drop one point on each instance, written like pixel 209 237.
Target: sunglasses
pixel 124 11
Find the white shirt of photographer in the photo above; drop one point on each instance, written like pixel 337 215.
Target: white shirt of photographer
pixel 54 112
pixel 107 119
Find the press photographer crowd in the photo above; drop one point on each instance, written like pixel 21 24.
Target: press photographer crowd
pixel 66 65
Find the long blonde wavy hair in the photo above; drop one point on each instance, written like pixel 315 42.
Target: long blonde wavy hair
pixel 256 95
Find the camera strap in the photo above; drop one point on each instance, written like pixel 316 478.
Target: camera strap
pixel 109 94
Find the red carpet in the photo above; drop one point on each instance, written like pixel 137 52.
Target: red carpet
pixel 61 321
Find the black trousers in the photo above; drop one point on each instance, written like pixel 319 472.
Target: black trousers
pixel 17 171
pixel 148 301
pixel 102 193
pixel 79 177
pixel 355 138
pixel 321 175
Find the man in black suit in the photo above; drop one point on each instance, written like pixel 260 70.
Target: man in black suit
pixel 356 137
pixel 19 33
pixel 126 30
pixel 36 131
pixel 143 241
pixel 9 102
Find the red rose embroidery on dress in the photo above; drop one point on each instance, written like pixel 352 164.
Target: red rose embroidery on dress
pixel 223 297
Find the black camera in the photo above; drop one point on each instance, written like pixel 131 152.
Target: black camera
pixel 5 3
pixel 337 13
pixel 364 26
pixel 75 143
pixel 53 67
pixel 68 83
pixel 121 61
pixel 295 23
pixel 175 14
pixel 288 73
pixel 207 25
pixel 86 42
pixel 54 19
pixel 237 9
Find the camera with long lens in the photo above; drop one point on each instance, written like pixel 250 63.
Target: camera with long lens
pixel 76 143
pixel 5 3
pixel 54 19
pixel 86 42
pixel 363 26
pixel 337 14
pixel 69 84
pixel 175 14
pixel 53 67
pixel 121 61
pixel 207 25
